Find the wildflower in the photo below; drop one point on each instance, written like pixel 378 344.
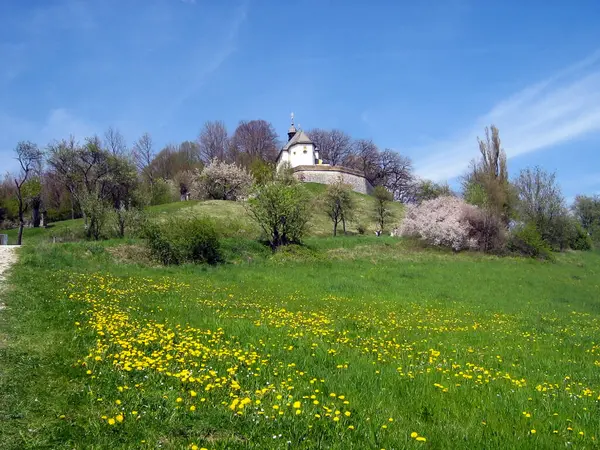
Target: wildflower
pixel 119 418
pixel 179 400
pixel 192 408
pixel 414 434
pixel 533 431
pixel 351 427
pixel 111 421
pixel 336 419
pixel 297 405
pixel 347 413
pixel 421 439
pixel 193 393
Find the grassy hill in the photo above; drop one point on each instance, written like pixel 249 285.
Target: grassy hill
pixel 231 217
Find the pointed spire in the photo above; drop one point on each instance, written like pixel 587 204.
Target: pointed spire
pixel 292 129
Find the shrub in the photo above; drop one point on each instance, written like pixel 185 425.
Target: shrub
pixel 579 238
pixel 527 240
pixel 486 229
pixel 282 211
pixel 222 181
pixel 361 228
pixel 180 240
pixel 440 222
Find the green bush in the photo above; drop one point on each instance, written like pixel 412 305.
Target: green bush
pixel 177 241
pixel 528 241
pixel 579 239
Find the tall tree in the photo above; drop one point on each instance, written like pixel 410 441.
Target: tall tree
pixel 334 145
pixel 254 139
pixel 394 171
pixel 29 157
pixel 487 182
pixel 338 203
pixel 213 141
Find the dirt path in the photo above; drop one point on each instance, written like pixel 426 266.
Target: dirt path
pixel 7 257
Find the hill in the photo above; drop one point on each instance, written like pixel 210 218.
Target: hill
pixel 231 217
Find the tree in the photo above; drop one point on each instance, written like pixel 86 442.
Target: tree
pixel 282 211
pixel 213 141
pixel 114 142
pixel 143 154
pixel 382 211
pixel 334 145
pixel 95 177
pixel 364 158
pixel 541 203
pixel 30 158
pixel 254 139
pixel 424 190
pixel 338 203
pixel 487 184
pixel 587 211
pixel 394 171
pixel 222 181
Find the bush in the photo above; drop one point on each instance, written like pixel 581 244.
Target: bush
pixel 361 228
pixel 180 240
pixel 439 222
pixel 222 181
pixel 282 211
pixel 486 229
pixel 579 238
pixel 527 241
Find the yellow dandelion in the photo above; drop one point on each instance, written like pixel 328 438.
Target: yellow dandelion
pixel 111 421
pixel 421 439
pixel 119 418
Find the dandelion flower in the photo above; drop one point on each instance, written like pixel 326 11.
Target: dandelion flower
pixel 414 434
pixel 421 439
pixel 111 421
pixel 119 418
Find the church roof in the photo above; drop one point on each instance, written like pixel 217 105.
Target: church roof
pixel 299 138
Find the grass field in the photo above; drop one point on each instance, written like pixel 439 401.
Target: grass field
pixel 357 342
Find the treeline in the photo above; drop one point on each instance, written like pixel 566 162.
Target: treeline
pixel 56 182
pixel 527 214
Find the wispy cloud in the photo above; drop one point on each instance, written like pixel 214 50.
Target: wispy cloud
pixel 561 108
pixel 59 123
pixel 202 65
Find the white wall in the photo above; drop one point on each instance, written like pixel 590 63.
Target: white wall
pixel 298 156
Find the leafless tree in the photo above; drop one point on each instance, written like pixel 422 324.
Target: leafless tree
pixel 143 154
pixel 254 139
pixel 334 145
pixel 30 158
pixel 114 142
pixel 395 173
pixel 364 157
pixel 213 141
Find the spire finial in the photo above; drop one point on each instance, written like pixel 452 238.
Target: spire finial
pixel 292 116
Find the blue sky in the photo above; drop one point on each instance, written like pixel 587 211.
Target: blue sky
pixel 423 78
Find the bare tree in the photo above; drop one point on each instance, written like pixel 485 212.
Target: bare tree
pixel 334 145
pixel 143 154
pixel 30 159
pixel 395 173
pixel 254 139
pixel 364 157
pixel 114 142
pixel 213 141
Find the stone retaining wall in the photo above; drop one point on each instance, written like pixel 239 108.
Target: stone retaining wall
pixel 329 174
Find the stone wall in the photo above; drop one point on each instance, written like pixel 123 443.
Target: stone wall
pixel 324 174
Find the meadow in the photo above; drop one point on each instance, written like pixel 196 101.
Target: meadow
pixel 356 342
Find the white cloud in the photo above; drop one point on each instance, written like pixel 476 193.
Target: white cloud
pixel 562 108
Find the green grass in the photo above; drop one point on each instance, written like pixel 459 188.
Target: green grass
pixel 468 351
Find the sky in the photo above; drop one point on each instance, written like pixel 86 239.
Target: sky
pixel 423 78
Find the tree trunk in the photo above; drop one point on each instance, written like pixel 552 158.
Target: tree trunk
pixel 344 224
pixel 21 222
pixel 35 215
pixel 335 228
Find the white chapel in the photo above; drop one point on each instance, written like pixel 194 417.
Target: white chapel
pixel 299 149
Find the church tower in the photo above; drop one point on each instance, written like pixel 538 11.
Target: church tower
pixel 299 150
